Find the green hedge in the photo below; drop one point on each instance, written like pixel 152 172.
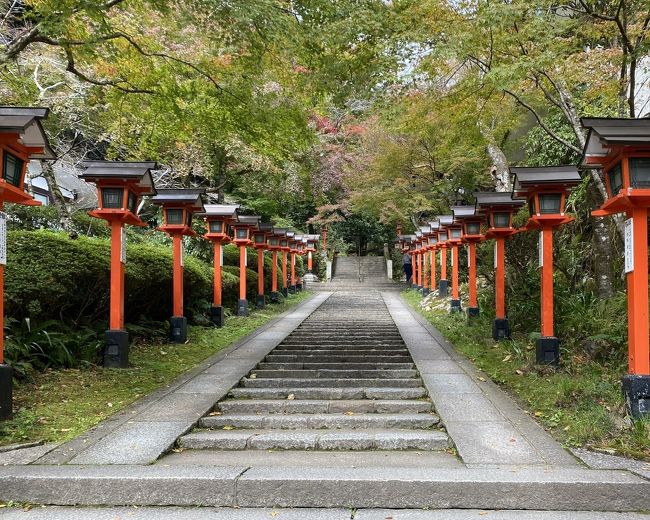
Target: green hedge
pixel 49 276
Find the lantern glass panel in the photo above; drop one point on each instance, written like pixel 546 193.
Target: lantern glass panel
pixel 241 233
pixel 455 233
pixel 501 219
pixel 274 241
pixel 259 238
pixel 132 202
pixel 216 226
pixel 12 169
pixel 174 217
pixel 615 177
pixel 188 218
pixel 443 237
pixel 549 203
pixel 283 243
pixel 640 172
pixel 473 228
pixel 112 198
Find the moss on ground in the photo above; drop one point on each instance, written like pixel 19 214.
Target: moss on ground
pixel 580 403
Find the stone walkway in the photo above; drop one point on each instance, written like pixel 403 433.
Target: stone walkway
pixel 351 402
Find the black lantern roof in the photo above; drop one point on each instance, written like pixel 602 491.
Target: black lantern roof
pixel 461 212
pixel 281 232
pixel 248 220
pixel 267 227
pixel 139 172
pixel 220 210
pixel 446 220
pixel 489 199
pixel 528 180
pixel 425 229
pixel 290 234
pixel 418 233
pixel 182 196
pixel 434 225
pixel 605 132
pixel 26 121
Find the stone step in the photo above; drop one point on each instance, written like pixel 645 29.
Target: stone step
pixel 485 489
pixel 329 383
pixel 310 365
pixel 315 356
pixel 310 421
pixel 334 374
pixel 341 346
pixel 350 337
pixel 348 440
pixel 329 393
pixel 251 406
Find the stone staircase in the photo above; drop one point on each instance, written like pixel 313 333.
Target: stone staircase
pixel 342 381
pixel 353 273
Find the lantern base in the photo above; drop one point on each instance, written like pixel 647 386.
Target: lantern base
pixel 636 390
pixel 299 287
pixel 218 316
pixel 116 349
pixel 500 329
pixel 6 391
pixel 242 308
pixel 443 287
pixel 275 297
pixel 425 291
pixel 260 302
pixel 285 292
pixel 454 306
pixel 178 329
pixel 472 312
pixel 547 351
pixel 292 289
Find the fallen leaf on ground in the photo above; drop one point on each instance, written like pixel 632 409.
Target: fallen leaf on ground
pixel 228 427
pixel 507 358
pixel 291 397
pixel 253 376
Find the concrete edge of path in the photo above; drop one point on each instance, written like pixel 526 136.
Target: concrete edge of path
pixel 537 488
pixel 151 415
pixel 485 424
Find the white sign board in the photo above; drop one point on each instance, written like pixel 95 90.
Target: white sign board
pixel 469 258
pixel 123 246
pixel 221 260
pixel 246 257
pixel 495 254
pixel 540 249
pixel 3 238
pixel 182 253
pixel 629 245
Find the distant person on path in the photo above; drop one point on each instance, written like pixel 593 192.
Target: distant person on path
pixel 408 268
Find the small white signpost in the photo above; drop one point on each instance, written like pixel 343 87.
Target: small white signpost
pixel 123 246
pixel 540 249
pixel 629 245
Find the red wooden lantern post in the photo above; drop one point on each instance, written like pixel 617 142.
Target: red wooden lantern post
pixel 433 247
pixel 621 148
pixel 242 238
pixel 498 208
pixel 471 236
pixel 275 245
pixel 454 239
pixel 259 242
pixel 426 270
pixel 120 186
pixel 546 190
pixel 302 245
pixel 293 250
pixel 443 238
pixel 219 217
pixel 414 260
pixel 418 259
pixel 310 248
pixel 22 138
pixel 178 205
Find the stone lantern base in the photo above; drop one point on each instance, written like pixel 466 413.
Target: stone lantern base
pixel 547 351
pixel 636 390
pixel 6 391
pixel 242 308
pixel 218 316
pixel 500 329
pixel 178 329
pixel 116 349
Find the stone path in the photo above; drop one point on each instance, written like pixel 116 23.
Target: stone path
pixel 348 404
pixel 343 380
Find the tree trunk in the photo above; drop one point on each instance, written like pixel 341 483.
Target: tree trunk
pixel 58 200
pixel 500 172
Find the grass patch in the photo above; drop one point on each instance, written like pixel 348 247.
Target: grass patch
pixel 57 405
pixel 580 403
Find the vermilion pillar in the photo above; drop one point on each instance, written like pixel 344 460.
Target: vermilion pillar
pixel 178 274
pixel 292 287
pixel 310 262
pixel 284 273
pixel 425 273
pixel 432 261
pixel 217 313
pixel 637 287
pixel 455 290
pixel 500 279
pixel 260 277
pixel 117 277
pixel 274 278
pixel 414 267
pixel 242 308
pixel 420 270
pixel 547 283
pixel 472 309
pixel 443 283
